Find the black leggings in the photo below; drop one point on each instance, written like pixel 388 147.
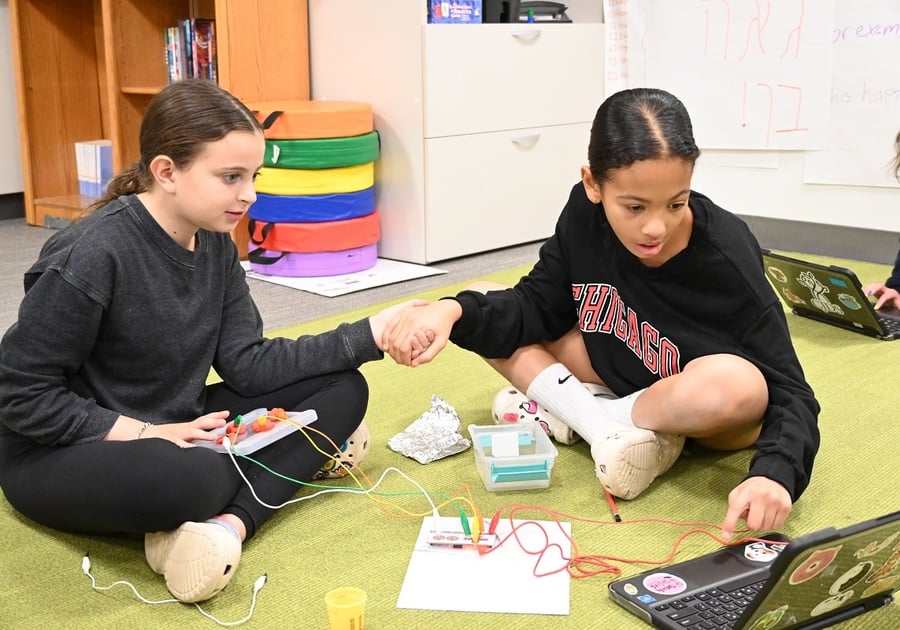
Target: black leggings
pixel 151 484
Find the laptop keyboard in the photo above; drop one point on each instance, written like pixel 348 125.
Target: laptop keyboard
pixel 891 324
pixel 713 609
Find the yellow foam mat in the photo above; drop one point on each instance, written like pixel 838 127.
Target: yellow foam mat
pixel 323 181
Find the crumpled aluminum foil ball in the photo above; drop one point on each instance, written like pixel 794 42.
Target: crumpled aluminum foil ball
pixel 433 435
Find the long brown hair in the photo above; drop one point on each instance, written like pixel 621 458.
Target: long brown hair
pixel 178 123
pixel 895 164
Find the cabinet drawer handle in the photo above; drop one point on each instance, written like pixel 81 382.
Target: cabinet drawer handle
pixel 527 37
pixel 526 142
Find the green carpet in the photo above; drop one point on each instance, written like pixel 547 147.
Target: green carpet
pixel 344 540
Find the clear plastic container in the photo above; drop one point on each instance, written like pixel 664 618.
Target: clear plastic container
pixel 254 440
pixel 513 456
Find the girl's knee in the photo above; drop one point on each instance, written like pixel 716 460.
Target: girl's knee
pixel 344 399
pixel 729 385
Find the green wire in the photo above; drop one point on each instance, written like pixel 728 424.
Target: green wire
pixel 463 519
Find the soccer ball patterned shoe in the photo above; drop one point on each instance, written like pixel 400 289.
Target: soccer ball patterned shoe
pixel 350 455
pixel 512 406
pixel 629 459
pixel 197 559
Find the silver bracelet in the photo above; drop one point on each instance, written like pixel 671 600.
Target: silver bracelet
pixel 140 431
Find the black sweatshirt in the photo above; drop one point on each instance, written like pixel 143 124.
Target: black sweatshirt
pixel 641 324
pixel 894 281
pixel 118 318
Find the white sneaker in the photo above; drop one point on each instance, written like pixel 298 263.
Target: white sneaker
pixel 512 406
pixel 670 447
pixel 197 559
pixel 629 459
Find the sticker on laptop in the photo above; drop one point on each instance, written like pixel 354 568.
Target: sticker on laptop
pixel 777 274
pixel 792 297
pixel 832 603
pixel 818 293
pixel 818 561
pixel 763 552
pixel 874 547
pixel 849 301
pixel 664 584
pixel 770 619
pixel 880 585
pixel 887 568
pixel 850 577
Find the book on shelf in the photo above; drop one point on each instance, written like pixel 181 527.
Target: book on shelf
pixel 170 53
pixel 184 30
pixel 203 40
pixel 93 163
pixel 193 50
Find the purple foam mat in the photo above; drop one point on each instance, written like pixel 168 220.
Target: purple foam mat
pixel 304 265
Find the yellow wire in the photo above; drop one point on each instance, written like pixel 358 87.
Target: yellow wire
pixel 377 497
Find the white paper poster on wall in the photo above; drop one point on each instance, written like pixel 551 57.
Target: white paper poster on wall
pixel 11 173
pixel 753 75
pixel 864 98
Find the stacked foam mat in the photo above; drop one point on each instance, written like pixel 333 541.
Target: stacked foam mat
pixel 315 211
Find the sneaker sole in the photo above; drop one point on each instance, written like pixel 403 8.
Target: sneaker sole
pixel 202 560
pixel 628 467
pixel 156 549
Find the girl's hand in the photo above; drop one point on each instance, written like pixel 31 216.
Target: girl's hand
pixel 381 321
pixel 884 295
pixel 416 335
pixel 185 433
pixel 761 502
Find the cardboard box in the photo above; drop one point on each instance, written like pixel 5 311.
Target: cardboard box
pixel 454 12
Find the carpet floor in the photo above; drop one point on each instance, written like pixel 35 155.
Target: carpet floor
pixel 341 539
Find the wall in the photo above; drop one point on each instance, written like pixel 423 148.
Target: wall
pixel 770 189
pixel 11 168
pixel 796 110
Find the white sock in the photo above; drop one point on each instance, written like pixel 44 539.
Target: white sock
pixel 221 522
pixel 590 415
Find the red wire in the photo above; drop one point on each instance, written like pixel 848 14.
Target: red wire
pixel 584 566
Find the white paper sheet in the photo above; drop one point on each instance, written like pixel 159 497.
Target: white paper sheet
pixel 752 76
pixel 502 581
pixel 384 272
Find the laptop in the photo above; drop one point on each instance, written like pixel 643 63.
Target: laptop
pixel 829 294
pixel 814 581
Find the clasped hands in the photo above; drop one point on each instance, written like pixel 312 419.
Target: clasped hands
pixel 415 331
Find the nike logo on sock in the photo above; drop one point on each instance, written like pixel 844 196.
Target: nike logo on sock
pixel 564 379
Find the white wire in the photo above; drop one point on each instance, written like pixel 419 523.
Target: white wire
pixel 133 590
pixel 257 586
pixel 434 509
pixel 260 582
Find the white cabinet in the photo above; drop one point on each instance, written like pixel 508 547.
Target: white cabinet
pixel 483 127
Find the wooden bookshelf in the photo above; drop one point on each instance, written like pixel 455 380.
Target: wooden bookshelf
pixel 86 69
